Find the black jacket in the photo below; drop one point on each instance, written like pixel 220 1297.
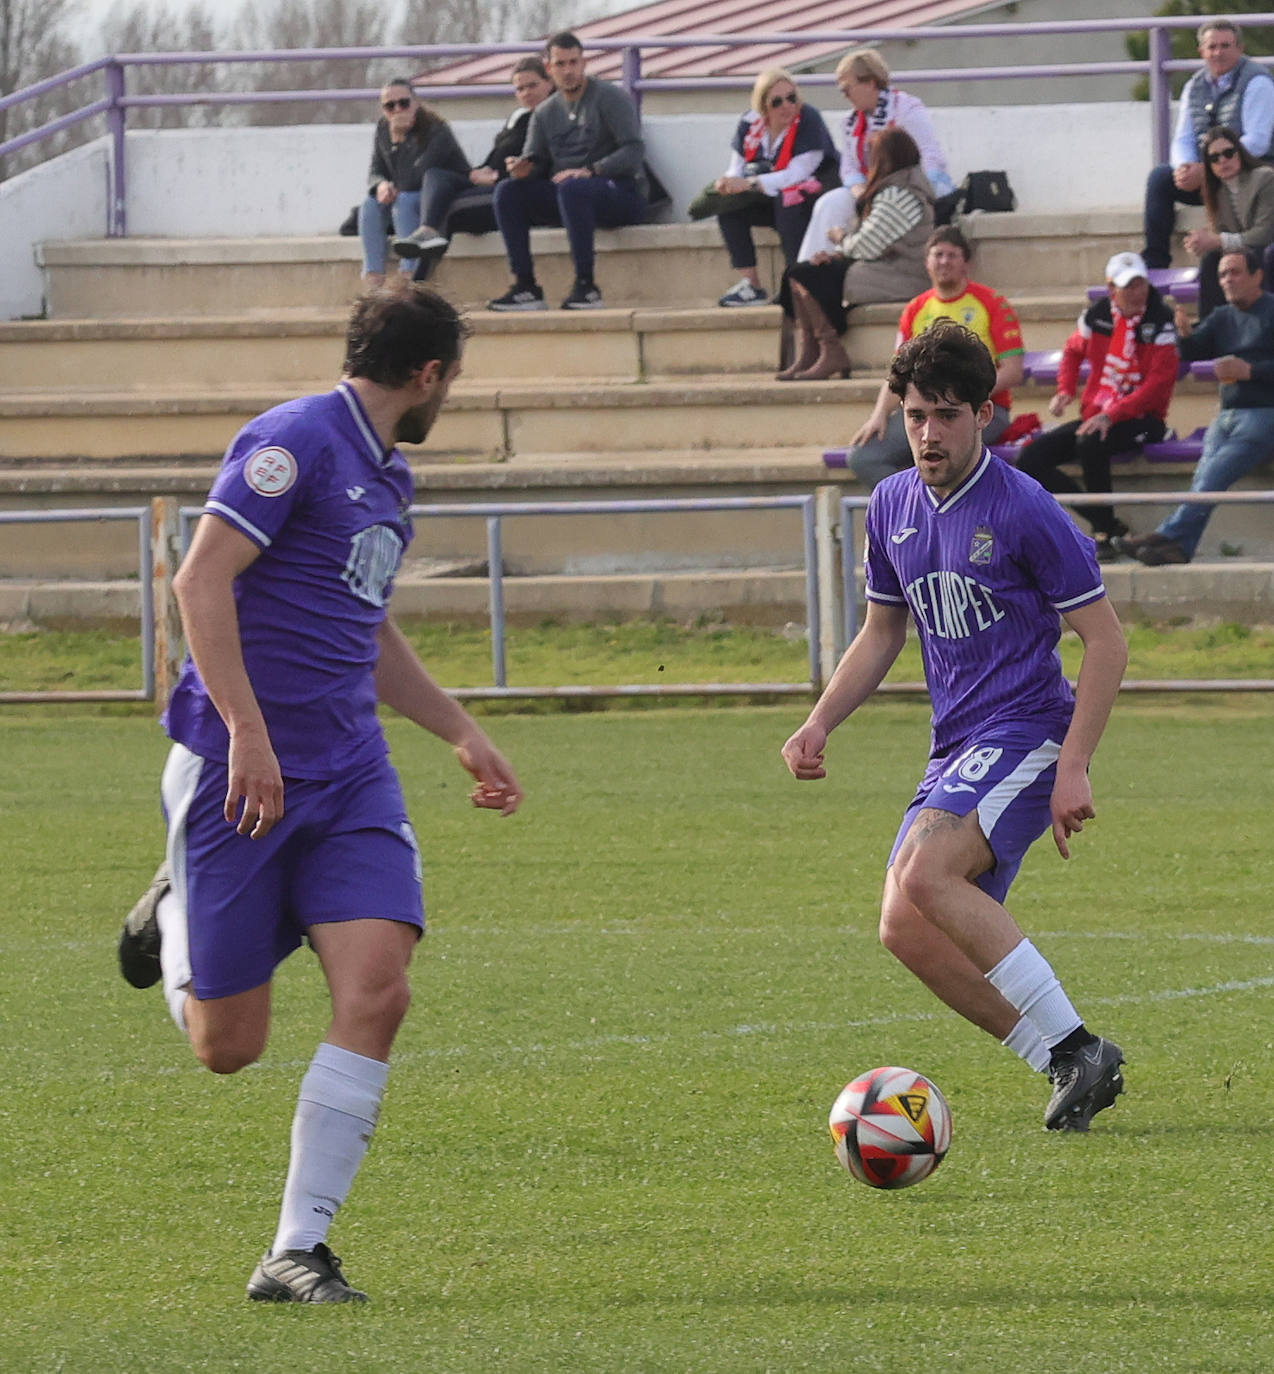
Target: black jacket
pixel 428 144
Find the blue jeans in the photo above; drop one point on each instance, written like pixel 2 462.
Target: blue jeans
pixel 1162 199
pixel 1236 442
pixel 581 205
pixel 375 221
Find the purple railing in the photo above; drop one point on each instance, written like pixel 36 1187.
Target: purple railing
pixel 116 103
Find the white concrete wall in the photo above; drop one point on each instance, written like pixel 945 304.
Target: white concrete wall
pixel 302 180
pixel 62 199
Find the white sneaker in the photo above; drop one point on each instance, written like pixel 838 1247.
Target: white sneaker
pixel 744 293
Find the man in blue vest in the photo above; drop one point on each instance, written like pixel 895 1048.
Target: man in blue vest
pixel 1232 90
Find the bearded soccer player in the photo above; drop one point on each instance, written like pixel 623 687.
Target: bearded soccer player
pixel 285 818
pixel 988 565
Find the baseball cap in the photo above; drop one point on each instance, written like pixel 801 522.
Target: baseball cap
pixel 1125 267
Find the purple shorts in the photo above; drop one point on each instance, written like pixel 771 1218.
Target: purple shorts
pixel 1006 776
pixel 344 851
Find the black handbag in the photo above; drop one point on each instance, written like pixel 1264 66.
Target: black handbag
pixel 987 191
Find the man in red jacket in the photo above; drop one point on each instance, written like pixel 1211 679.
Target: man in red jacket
pixel 1130 344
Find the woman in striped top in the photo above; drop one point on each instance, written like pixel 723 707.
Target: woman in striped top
pixel 883 259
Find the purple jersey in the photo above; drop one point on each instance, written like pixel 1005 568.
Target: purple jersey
pixel 986 573
pixel 309 483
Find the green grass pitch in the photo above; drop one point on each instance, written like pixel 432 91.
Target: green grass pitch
pixel 604 1144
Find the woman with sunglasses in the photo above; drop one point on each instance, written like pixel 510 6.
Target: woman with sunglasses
pixel 417 170
pixel 883 259
pixel 783 155
pixel 1238 193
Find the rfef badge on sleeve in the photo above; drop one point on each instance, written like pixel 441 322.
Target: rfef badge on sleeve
pixel 982 547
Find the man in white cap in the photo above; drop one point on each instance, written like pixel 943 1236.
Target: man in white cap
pixel 1130 344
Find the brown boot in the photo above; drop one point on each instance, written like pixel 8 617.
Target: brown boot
pixel 832 360
pixel 807 348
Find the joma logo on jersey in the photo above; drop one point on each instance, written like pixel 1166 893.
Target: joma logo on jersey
pixel 951 605
pixel 374 555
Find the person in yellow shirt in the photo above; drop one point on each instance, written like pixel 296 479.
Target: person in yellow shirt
pixel 880 447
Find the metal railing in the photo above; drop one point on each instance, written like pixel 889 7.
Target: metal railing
pixel 496 513
pixel 141 515
pixel 116 102
pixel 849 595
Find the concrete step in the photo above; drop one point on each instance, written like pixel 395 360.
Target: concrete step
pixel 290 348
pixel 645 265
pixel 490 422
pixel 578 545
pixel 1230 590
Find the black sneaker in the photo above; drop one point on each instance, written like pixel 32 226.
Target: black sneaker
pixel 139 940
pixel 301 1276
pixel 584 296
pixel 1085 1081
pixel 519 298
pixel 423 240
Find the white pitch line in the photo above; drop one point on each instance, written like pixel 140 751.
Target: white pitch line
pixel 601 1042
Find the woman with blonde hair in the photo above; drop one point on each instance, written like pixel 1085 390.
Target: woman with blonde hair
pixel 781 159
pixel 874 104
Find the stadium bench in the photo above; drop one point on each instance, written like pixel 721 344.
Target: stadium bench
pixel 1181 283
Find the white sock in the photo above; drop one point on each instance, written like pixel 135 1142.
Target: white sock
pixel 1025 979
pixel 335 1115
pixel 1024 1040
pixel 173 943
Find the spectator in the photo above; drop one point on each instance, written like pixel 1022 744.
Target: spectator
pixel 417 170
pixel 581 167
pixel 1231 90
pixel 472 211
pixel 1238 192
pixel 863 79
pixel 882 260
pixel 1240 336
pixel 781 159
pixel 880 446
pixel 1130 344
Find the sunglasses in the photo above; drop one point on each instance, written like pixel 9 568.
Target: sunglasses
pixel 1222 153
pixel 403 103
pixel 789 99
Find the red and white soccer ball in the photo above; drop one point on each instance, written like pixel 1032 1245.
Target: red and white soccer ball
pixel 890 1127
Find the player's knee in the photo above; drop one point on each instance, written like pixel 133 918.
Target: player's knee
pixel 226 1057
pixel 922 882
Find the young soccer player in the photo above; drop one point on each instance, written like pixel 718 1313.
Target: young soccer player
pixel 285 818
pixel 987 564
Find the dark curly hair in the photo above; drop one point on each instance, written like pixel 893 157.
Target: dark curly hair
pixel 947 362
pixel 395 330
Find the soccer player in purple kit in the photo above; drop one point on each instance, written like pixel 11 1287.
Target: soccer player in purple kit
pixel 988 565
pixel 285 818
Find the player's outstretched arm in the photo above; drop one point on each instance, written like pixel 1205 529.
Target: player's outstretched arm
pixel 861 670
pixel 204 588
pixel 403 683
pixel 1100 673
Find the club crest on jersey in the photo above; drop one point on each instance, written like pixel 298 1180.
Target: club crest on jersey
pixel 270 471
pixel 982 547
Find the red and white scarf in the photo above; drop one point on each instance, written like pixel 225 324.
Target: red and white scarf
pixel 753 141
pixel 1119 373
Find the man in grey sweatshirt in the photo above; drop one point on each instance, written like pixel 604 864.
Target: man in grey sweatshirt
pixel 581 168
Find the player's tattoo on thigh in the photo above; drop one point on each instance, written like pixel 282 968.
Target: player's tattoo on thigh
pixel 931 820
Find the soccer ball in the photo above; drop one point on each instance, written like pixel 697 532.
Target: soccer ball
pixel 890 1127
